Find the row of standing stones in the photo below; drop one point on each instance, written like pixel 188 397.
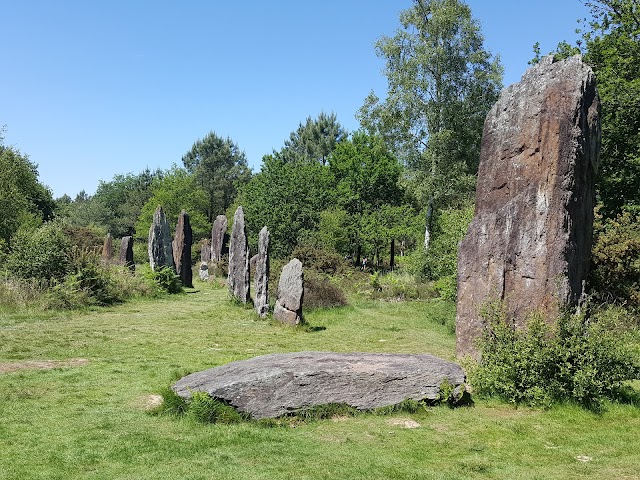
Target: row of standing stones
pixel 529 242
pixel 176 254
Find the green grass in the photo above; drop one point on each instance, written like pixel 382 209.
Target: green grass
pixel 89 421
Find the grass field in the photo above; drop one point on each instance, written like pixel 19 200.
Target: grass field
pixel 74 387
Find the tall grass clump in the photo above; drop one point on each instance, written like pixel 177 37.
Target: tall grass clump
pixel 577 359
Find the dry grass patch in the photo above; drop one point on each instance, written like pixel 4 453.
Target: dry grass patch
pixel 10 367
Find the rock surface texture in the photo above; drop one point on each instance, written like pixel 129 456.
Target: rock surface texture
pixel 159 247
pixel 218 232
pixel 279 384
pixel 288 307
pixel 262 274
pixel 126 252
pixel 238 280
pixel 182 250
pixel 530 239
pixel 107 248
pixel 205 253
pixel 203 272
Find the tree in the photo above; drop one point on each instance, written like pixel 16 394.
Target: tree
pixel 366 178
pixel 441 84
pixel 287 197
pixel 315 140
pixel 23 199
pixel 220 168
pixel 613 50
pixel 176 190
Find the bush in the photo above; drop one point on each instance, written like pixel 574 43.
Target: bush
pixel 319 259
pixel 41 253
pixel 319 292
pixel 399 287
pixel 576 360
pixel 615 259
pixel 166 279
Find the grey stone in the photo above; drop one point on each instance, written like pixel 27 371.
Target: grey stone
pixel 530 240
pixel 126 252
pixel 274 385
pixel 203 272
pixel 159 246
pixel 262 274
pixel 238 280
pixel 205 252
pixel 182 249
pixel 218 232
pixel 107 248
pixel 288 307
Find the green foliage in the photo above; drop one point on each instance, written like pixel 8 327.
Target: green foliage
pixel 177 190
pixel 315 140
pixel 219 168
pixel 287 197
pixel 441 84
pixel 440 262
pixel 576 360
pixel 203 408
pixel 320 292
pixel 41 253
pixel 166 279
pixel 23 199
pixel 320 259
pixel 399 287
pixel 615 257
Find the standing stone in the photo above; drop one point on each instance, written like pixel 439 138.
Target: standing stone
pixel 238 281
pixel 205 252
pixel 217 237
pixel 288 308
pixel 159 246
pixel 262 274
pixel 107 248
pixel 126 253
pixel 182 250
pixel 203 273
pixel 530 239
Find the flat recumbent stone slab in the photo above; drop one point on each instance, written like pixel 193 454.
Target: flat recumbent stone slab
pixel 274 385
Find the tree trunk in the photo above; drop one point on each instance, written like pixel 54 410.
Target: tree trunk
pixel 392 254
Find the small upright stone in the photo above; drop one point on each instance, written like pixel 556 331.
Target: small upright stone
pixel 203 273
pixel 238 280
pixel 288 308
pixel 107 248
pixel 262 274
pixel 182 250
pixel 159 247
pixel 529 243
pixel 126 252
pixel 218 233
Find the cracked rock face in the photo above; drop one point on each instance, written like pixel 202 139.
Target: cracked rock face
pixel 238 280
pixel 530 239
pixel 218 232
pixel 159 247
pixel 262 273
pixel 274 385
pixel 182 249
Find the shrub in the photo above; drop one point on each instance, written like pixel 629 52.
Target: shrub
pixel 40 253
pixel 166 279
pixel 319 292
pixel 398 287
pixel 615 258
pixel 575 359
pixel 319 259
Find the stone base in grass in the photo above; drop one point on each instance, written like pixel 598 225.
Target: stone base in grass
pixel 274 385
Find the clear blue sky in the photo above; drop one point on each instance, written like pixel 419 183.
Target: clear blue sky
pixel 93 89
